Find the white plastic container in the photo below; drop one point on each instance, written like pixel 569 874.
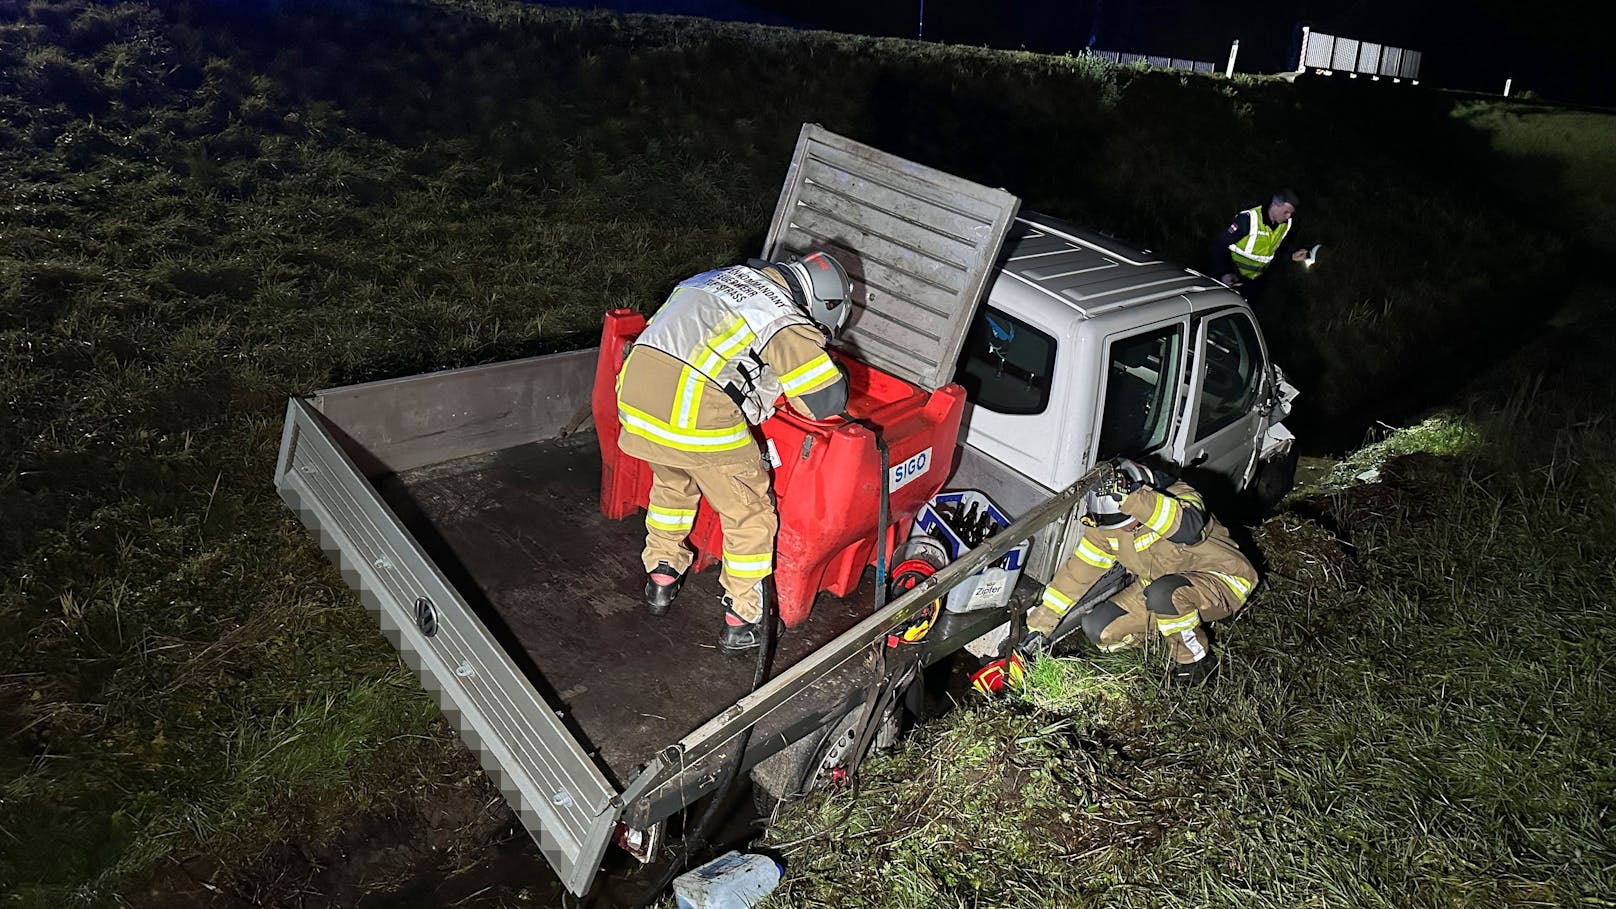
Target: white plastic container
pixel 731 881
pixel 989 588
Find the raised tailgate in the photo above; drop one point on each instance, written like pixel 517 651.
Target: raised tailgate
pixel 920 244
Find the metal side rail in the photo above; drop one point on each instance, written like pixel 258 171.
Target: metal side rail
pixel 562 798
pixel 686 766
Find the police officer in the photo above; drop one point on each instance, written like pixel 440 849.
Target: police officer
pixel 1185 570
pixel 1244 249
pixel 709 366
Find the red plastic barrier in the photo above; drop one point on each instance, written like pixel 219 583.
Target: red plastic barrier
pixel 625 482
pixel 827 485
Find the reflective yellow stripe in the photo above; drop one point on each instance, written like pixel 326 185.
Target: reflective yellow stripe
pixel 1094 555
pixel 749 565
pixel 1248 247
pixel 1174 624
pixel 1166 512
pixel 730 339
pixel 813 373
pixel 1192 499
pixel 1144 540
pixel 690 383
pixel 642 424
pixel 706 361
pixel 1056 600
pixel 1240 586
pixel 1244 253
pixel 674 519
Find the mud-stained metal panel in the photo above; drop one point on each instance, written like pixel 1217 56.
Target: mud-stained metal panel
pixel 520 535
pixel 399 424
pixel 921 246
pixel 562 798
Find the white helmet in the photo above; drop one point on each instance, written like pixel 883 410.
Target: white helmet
pixel 822 289
pixel 1105 508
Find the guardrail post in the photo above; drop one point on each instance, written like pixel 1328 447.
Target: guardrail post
pixel 1234 51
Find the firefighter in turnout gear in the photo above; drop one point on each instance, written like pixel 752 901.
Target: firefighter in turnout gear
pixel 709 366
pixel 1185 570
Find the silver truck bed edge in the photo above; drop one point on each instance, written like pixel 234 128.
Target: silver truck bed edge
pixel 561 797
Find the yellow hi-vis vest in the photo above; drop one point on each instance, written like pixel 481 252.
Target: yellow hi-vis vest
pixel 1253 252
pixel 717 325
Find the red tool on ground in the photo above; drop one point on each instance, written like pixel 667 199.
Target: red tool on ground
pixel 993 678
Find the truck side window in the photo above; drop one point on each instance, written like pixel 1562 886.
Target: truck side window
pixel 1141 374
pixel 1006 364
pixel 1233 375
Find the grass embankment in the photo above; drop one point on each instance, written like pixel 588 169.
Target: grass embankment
pixel 1418 711
pixel 210 207
pixel 1579 146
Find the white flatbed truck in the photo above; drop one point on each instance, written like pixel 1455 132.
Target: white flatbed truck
pixel 462 505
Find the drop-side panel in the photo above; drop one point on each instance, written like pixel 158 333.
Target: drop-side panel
pixel 920 245
pixel 563 799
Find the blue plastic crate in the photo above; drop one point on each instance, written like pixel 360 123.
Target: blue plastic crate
pixel 989 588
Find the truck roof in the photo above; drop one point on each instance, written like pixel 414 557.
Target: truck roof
pixel 1045 257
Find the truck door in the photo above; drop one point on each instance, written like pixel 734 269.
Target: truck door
pixel 1140 390
pixel 1224 398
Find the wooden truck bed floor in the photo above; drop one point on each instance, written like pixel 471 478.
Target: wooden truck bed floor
pixel 519 532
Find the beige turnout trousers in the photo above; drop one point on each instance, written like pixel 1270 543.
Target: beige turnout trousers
pixel 739 492
pixel 1128 618
pixel 1187 569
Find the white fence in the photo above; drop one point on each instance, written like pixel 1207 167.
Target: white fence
pixel 1196 66
pixel 1332 53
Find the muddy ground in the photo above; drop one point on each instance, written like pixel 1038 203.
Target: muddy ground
pixel 444 837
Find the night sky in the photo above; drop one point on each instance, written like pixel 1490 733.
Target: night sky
pixel 1552 49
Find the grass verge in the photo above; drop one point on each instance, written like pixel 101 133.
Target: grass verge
pixel 1416 712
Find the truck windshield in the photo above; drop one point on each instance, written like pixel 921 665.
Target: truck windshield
pixel 1141 373
pixel 1006 364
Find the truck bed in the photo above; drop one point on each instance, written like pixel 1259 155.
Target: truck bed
pixel 626 682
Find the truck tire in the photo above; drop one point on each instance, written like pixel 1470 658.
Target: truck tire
pixel 812 761
pixel 1275 478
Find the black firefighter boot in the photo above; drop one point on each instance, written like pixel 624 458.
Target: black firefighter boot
pixel 1196 674
pixel 739 635
pixel 662 584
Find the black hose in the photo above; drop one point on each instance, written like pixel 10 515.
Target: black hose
pixel 883 520
pixel 875 708
pixel 697 842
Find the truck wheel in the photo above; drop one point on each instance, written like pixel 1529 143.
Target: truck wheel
pixel 1275 478
pixel 836 748
pixel 818 759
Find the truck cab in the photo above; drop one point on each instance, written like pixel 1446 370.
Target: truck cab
pixel 1087 349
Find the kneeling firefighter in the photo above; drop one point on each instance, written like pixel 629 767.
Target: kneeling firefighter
pixel 1185 571
pixel 711 363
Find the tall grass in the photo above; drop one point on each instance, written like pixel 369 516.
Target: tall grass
pixel 1416 712
pixel 1579 145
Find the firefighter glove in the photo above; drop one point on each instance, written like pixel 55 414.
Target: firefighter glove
pixel 1117 483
